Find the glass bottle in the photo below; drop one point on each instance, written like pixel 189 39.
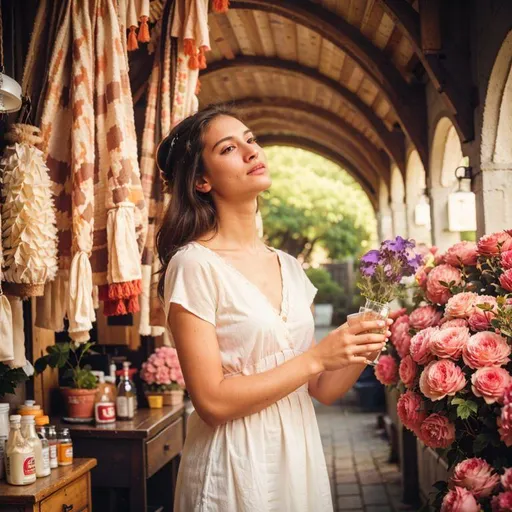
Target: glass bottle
pixel 65 448
pixel 126 392
pixel 4 435
pixel 20 466
pixel 105 405
pixel 52 442
pixel 28 431
pixel 41 433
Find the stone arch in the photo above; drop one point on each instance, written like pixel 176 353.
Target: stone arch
pixel 398 202
pixel 493 184
pixel 416 193
pixel 446 155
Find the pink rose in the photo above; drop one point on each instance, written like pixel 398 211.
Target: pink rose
pixel 386 370
pixel 439 258
pixel 486 349
pixel 506 259
pixel 506 479
pixel 507 395
pixel 495 243
pixel 420 345
pixel 436 431
pixel 490 383
pixel 409 409
pixel 448 343
pixel 455 322
pixel 462 253
pixel 436 292
pixel 408 371
pixel 506 280
pixel 460 305
pixel 459 500
pixel 421 277
pixel 424 316
pixel 401 323
pixel 403 344
pixel 505 424
pixel 502 502
pixel 480 320
pixel 441 378
pixel 475 475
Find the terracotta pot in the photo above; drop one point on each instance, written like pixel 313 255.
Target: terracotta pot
pixel 79 402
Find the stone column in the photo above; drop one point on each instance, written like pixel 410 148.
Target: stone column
pixel 385 224
pixel 493 190
pixel 399 216
pixel 421 234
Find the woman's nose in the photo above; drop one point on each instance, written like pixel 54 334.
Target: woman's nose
pixel 250 153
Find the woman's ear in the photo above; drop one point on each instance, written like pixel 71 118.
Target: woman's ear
pixel 202 185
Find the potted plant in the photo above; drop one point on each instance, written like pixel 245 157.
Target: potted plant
pixel 162 375
pixel 80 394
pixel 328 293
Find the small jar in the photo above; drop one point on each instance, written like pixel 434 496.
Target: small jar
pixel 65 448
pixel 51 435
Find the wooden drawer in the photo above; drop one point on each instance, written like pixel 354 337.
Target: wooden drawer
pixel 164 446
pixel 75 495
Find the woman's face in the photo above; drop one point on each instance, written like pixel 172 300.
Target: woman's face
pixel 235 165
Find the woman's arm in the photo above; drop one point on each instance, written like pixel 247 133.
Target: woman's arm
pixel 218 399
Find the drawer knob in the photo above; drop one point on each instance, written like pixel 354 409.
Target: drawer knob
pixel 67 508
pixel 167 447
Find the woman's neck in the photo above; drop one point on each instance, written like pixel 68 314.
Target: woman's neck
pixel 237 228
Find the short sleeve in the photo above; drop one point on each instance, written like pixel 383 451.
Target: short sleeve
pixel 310 288
pixel 189 282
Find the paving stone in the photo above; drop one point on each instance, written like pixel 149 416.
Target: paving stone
pixel 346 479
pixel 348 489
pixel 349 502
pixel 379 508
pixel 374 495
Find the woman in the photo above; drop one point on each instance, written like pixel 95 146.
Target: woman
pixel 239 316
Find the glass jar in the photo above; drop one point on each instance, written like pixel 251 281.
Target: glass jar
pixel 41 433
pixel 4 434
pixel 373 310
pixel 65 448
pixel 51 434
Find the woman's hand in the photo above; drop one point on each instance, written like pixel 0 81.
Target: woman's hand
pixel 352 344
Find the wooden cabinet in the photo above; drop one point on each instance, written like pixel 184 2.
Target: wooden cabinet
pixel 66 489
pixel 137 459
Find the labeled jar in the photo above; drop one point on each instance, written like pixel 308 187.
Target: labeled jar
pixel 28 431
pixel 20 465
pixel 65 448
pixel 51 435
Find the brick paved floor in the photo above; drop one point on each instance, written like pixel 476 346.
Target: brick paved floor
pixel 357 454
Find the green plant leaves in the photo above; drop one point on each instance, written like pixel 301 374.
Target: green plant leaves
pixel 465 408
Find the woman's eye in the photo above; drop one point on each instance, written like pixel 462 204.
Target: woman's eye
pixel 252 140
pixel 227 149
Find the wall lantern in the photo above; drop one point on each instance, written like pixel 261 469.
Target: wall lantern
pixel 462 204
pixel 422 211
pixel 10 94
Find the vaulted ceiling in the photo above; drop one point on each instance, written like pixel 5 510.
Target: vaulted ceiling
pixel 344 78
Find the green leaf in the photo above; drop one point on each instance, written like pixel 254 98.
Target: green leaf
pixel 480 443
pixel 466 408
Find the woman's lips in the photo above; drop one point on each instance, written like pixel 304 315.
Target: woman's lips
pixel 259 169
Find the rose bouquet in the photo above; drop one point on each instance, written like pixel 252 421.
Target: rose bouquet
pixel 453 354
pixel 162 374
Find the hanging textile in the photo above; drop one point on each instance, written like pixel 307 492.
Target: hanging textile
pixel 90 145
pixel 18 333
pixel 29 235
pixel 6 334
pixel 131 13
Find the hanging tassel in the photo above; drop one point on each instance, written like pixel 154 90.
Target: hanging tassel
pixel 198 87
pixel 144 36
pixel 120 308
pixel 191 50
pixel 202 58
pixel 220 5
pixel 132 40
pixel 132 304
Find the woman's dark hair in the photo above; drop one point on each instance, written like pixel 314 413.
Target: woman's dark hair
pixel 190 213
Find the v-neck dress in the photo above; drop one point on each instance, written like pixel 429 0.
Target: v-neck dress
pixel 272 460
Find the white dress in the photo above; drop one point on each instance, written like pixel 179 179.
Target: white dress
pixel 272 460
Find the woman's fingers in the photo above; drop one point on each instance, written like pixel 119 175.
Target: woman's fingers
pixel 366 325
pixel 365 349
pixel 369 338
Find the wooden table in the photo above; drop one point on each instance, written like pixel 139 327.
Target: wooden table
pixel 67 488
pixel 134 457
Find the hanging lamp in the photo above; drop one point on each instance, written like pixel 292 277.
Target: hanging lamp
pixel 10 90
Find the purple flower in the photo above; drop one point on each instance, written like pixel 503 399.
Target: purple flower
pixel 370 258
pixel 397 245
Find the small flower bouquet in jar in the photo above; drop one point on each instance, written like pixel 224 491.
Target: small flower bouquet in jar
pixel 162 376
pixel 382 274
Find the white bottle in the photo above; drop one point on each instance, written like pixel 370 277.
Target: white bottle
pixel 20 467
pixel 4 434
pixel 28 431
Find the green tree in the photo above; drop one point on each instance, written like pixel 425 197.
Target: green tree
pixel 315 203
